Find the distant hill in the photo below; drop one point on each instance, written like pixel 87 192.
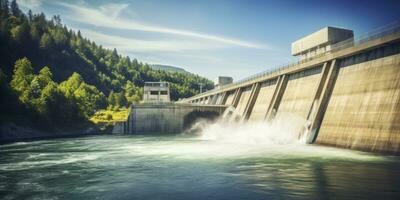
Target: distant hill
pixel 168 68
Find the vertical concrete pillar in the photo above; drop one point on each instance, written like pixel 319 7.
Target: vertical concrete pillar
pixel 224 98
pixel 236 98
pixel 209 99
pixel 131 120
pixel 250 104
pixel 277 97
pixel 321 99
pixel 128 123
pixel 324 74
pixel 214 99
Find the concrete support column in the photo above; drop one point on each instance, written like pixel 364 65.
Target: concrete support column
pixel 277 97
pixel 223 98
pixel 250 104
pixel 131 120
pixel 321 100
pixel 236 98
pixel 127 125
pixel 209 100
pixel 214 99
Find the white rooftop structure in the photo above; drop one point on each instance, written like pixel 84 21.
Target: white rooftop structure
pixel 156 92
pixel 320 41
pixel 222 80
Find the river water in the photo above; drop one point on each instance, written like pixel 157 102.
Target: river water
pixel 191 167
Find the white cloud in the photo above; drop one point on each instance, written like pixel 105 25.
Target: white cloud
pixel 128 45
pixel 113 9
pixel 100 17
pixel 30 4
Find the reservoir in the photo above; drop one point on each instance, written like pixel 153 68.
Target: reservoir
pixel 192 167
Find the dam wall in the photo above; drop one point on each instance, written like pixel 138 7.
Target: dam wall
pixel 166 118
pixel 229 98
pixel 299 93
pixel 243 100
pixel 263 100
pixel 364 108
pixel 348 97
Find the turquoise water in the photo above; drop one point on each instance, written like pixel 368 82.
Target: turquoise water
pixel 183 167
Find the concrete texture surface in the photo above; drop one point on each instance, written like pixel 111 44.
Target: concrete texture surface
pixel 364 108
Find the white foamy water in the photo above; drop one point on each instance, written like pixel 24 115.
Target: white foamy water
pixel 227 138
pixel 254 133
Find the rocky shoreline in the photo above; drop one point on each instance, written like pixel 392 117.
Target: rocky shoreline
pixel 14 133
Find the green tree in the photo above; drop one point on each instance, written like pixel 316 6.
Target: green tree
pixel 45 76
pixel 4 6
pixel 21 80
pixel 39 82
pixel 132 93
pixel 4 89
pixel 87 97
pixel 111 99
pixel 46 42
pixel 69 86
pixel 52 103
pixel 120 100
pixel 21 33
pixel 35 32
pixel 59 37
pixel 4 28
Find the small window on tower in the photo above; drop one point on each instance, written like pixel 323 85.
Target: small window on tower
pixel 163 92
pixel 154 92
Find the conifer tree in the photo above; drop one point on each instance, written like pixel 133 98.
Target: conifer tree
pixel 15 8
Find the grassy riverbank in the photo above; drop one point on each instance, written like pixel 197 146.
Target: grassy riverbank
pixel 105 119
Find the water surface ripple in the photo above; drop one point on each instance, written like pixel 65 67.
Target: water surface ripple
pixel 183 167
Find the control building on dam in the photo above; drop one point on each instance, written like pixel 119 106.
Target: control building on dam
pixel 347 90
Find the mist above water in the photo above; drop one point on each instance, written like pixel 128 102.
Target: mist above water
pixel 229 128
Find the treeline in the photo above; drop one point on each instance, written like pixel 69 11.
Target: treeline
pixel 42 103
pixel 54 73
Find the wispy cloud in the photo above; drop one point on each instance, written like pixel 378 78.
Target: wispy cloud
pixel 113 9
pixel 30 4
pixel 100 17
pixel 129 45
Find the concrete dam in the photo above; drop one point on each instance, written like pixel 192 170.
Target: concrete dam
pixel 346 91
pixel 349 95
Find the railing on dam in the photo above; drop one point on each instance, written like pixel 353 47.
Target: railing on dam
pixel 352 42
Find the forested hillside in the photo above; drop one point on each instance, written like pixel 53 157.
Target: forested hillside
pixel 52 75
pixel 168 68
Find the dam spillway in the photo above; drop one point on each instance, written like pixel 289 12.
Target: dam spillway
pixel 165 117
pixel 348 96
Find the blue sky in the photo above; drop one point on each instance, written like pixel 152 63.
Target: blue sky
pixel 213 37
